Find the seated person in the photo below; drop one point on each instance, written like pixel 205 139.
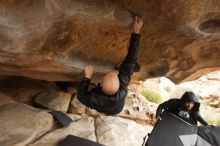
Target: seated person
pixel 108 97
pixel 187 108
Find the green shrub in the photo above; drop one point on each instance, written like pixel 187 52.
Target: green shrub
pixel 151 95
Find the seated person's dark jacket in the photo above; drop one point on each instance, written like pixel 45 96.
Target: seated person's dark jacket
pixel 175 106
pixel 111 104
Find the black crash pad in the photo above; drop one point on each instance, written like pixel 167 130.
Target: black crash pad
pixel 72 140
pixel 61 117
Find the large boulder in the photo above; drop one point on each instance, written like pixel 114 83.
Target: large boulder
pixel 81 126
pixel 21 124
pixel 55 40
pixel 116 131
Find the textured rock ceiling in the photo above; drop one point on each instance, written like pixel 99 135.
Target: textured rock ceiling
pixel 55 39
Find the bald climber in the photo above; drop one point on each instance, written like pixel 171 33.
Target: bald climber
pixel 108 97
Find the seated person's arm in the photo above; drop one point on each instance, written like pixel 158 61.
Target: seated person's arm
pixel 128 65
pixel 160 109
pixel 200 119
pixel 166 105
pixel 83 94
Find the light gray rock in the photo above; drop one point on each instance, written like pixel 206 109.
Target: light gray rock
pixel 116 131
pixel 21 124
pixel 81 126
pixel 58 101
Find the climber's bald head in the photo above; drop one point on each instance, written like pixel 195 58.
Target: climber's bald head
pixel 110 83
